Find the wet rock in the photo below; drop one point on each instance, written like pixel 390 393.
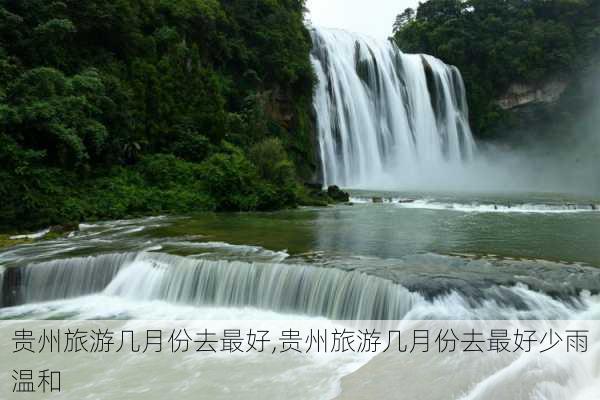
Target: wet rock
pixel 377 200
pixel 337 195
pixel 64 228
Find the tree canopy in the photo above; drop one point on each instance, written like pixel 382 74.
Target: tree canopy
pixel 92 91
pixel 499 42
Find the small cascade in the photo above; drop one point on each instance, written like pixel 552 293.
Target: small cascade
pixel 333 293
pixel 288 288
pixel 68 278
pixel 2 271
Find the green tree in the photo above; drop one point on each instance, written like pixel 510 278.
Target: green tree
pixel 97 98
pixel 496 43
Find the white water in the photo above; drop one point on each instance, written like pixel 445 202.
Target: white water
pixel 156 286
pixel 476 207
pixel 554 375
pixel 289 288
pixel 1 283
pixel 384 117
pixel 71 277
pixel 243 251
pixel 162 287
pixel 280 287
pixel 35 235
pixel 295 289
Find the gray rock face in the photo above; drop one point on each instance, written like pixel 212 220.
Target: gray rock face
pixel 519 95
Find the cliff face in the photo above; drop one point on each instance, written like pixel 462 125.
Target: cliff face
pixel 548 109
pixel 297 119
pixel 519 94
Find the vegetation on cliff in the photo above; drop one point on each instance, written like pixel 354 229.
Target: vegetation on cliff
pixel 116 108
pixel 496 43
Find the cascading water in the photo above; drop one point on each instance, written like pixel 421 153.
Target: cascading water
pixel 1 285
pixel 299 289
pixel 385 118
pixel 68 278
pixel 333 293
pixel 286 288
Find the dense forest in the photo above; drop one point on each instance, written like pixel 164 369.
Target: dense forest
pixel 496 43
pixel 134 107
pixel 116 108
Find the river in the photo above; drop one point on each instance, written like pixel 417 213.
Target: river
pixel 409 258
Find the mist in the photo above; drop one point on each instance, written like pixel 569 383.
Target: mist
pixel 534 162
pixel 540 163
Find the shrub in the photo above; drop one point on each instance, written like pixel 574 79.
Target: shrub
pixel 166 170
pixel 231 180
pixel 272 161
pixel 274 167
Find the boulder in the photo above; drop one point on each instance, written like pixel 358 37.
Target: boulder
pixel 377 200
pixel 519 95
pixel 337 195
pixel 64 228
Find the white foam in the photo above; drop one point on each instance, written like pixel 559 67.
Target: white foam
pixel 2 269
pixel 36 235
pixel 476 207
pixel 243 250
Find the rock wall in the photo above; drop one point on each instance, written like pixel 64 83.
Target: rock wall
pixel 519 94
pixel 549 109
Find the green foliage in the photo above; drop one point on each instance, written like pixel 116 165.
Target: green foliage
pixel 272 162
pixel 499 42
pixel 157 185
pixel 58 115
pixel 6 241
pixel 275 168
pixel 231 180
pixel 407 16
pixel 116 108
pixel 268 182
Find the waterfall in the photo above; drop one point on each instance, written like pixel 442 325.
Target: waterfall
pixel 2 269
pixel 384 117
pixel 68 278
pixel 288 288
